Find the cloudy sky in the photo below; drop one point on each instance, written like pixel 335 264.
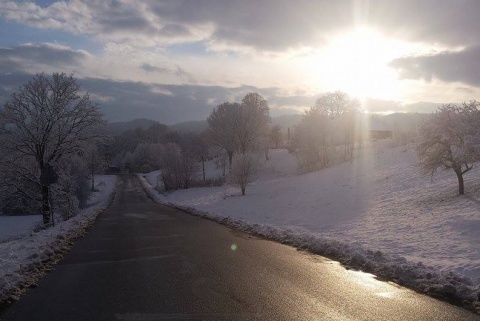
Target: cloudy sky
pixel 175 60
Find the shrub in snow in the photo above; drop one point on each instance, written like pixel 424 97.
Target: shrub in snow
pixel 243 171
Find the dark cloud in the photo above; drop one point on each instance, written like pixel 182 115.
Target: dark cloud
pixel 265 25
pixel 271 25
pixel 171 104
pixel 450 66
pixel 22 57
pixel 177 71
pixel 151 68
pixel 117 16
pixel 168 104
pixel 175 30
pixel 432 21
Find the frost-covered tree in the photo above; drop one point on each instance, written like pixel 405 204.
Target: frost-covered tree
pixel 334 104
pixel 171 169
pixel 253 123
pixel 222 127
pixel 47 119
pixel 328 126
pixel 239 127
pixel 145 158
pixel 313 139
pixel 72 189
pixel 450 140
pixel 196 147
pixel 243 171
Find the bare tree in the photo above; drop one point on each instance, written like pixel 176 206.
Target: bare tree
pixel 450 140
pixel 243 171
pixel 195 146
pixel 46 120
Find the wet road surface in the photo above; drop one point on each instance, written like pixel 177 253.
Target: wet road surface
pixel 144 261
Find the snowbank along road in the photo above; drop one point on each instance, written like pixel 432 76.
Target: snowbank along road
pixel 144 261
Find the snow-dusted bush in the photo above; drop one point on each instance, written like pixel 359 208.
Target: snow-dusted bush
pixel 179 169
pixel 243 171
pixel 72 190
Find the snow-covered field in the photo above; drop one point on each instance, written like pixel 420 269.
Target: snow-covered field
pixel 24 259
pixel 13 227
pixel 377 213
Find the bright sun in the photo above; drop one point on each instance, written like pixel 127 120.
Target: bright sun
pixel 357 63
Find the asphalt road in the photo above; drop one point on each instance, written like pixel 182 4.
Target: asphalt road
pixel 144 261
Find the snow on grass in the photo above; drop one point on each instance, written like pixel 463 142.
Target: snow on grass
pixel 377 213
pixel 14 227
pixel 24 260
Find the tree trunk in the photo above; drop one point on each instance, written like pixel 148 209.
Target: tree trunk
pixel 461 186
pixel 203 167
pixel 93 183
pixel 243 190
pixel 46 204
pixel 230 157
